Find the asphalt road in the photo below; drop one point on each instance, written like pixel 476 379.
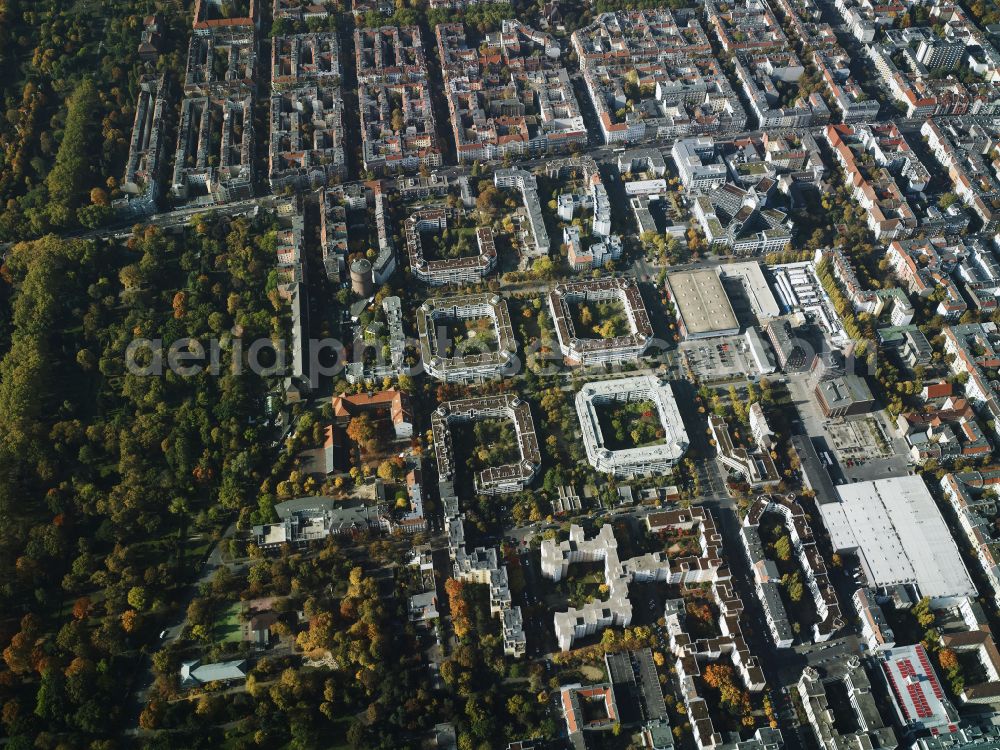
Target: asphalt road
pixel 175 628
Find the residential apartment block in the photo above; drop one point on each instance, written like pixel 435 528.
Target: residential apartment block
pixel 398 130
pixel 630 462
pixel 537 242
pixel 214 157
pixel 585 350
pixel 494 479
pixel 967 148
pixel 974 349
pixel 664 59
pixel 471 360
pixel 833 66
pixel 758 72
pixel 510 97
pixel 976 511
pixel 868 730
pixel 888 214
pixel 817 581
pixel 739 220
pixel 141 183
pixel 439 271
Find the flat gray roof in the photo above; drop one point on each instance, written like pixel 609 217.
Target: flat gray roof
pixel 702 302
pixel 898 532
pixel 758 291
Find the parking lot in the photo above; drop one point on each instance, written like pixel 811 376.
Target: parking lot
pixel 718 360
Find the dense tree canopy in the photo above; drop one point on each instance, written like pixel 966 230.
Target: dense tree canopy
pixel 103 469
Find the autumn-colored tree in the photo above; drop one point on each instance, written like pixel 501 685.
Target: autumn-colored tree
pixel 98 196
pixel 82 608
pixel 152 715
pixel 391 470
pixel 130 620
pixel 363 431
pixel 179 304
pixel 459 607
pixel 948 659
pixel 19 653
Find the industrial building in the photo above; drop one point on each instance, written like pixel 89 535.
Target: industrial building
pixel 896 530
pixel 750 276
pixel 703 309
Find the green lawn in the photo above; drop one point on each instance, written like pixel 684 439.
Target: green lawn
pixel 227 626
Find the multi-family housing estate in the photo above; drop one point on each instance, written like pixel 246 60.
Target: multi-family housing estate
pixel 887 212
pixel 214 158
pixel 484 356
pixel 642 460
pixel 862 728
pixel 759 72
pixel 964 269
pixel 689 653
pixel 141 183
pixel 756 467
pixel 661 62
pixel 944 433
pixel 967 148
pixel 215 136
pixel 482 566
pixel 805 18
pixel 398 132
pixel 833 66
pixel 974 348
pixel 509 97
pixel 307 129
pixel 224 59
pixel 536 243
pixel 860 19
pixel 493 479
pixel 816 579
pixel 875 627
pixel 438 271
pixel 871 301
pixel 916 67
pixel 977 511
pixel 616 610
pixel 585 350
pixel 740 221
pixel 369 363
pixel 925 267
pixel 601 245
pixel 745 26
pixel 980 54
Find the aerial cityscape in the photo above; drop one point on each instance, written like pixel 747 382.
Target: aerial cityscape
pixel 530 375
